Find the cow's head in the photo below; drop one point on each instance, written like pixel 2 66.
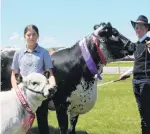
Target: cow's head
pixel 114 45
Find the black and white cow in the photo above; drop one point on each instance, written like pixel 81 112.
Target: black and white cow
pixel 77 86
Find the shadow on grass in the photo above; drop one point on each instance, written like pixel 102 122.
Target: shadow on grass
pixel 52 130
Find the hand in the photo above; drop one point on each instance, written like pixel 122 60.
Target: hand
pixel 53 85
pixel 124 76
pixel 148 43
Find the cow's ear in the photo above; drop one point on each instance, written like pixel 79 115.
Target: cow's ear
pixel 18 78
pixel 96 26
pixel 46 74
pixel 109 24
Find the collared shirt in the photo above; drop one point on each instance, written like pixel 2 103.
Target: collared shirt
pixel 37 49
pixel 27 62
pixel 143 38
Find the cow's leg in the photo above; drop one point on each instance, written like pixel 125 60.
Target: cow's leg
pixel 62 118
pixel 42 115
pixel 73 122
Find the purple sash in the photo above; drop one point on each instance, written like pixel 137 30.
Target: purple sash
pixel 88 59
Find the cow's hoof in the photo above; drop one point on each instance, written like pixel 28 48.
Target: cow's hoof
pixel 71 132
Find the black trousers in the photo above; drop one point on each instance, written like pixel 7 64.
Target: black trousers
pixel 141 89
pixel 42 117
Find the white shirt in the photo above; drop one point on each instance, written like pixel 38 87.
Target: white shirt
pixel 143 38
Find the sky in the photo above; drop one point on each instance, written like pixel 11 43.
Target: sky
pixel 62 23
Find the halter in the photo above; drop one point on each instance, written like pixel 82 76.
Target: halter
pixel 28 121
pixel 37 92
pixel 101 56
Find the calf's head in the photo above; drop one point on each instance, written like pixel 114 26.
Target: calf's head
pixel 36 85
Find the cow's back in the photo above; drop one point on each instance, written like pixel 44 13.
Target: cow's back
pixel 6 61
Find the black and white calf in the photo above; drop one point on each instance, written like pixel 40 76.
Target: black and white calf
pixel 75 69
pixel 19 105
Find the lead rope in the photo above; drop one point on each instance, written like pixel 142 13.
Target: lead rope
pixel 146 63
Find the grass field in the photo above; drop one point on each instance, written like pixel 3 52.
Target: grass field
pixel 120 64
pixel 115 111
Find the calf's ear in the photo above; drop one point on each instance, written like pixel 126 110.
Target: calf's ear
pixel 46 74
pixel 18 78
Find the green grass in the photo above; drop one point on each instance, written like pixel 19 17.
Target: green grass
pixel 115 111
pixel 120 64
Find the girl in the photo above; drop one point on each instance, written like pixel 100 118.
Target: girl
pixel 34 59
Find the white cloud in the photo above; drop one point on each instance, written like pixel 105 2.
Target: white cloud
pixel 45 41
pixel 21 38
pixel 14 36
pixel 50 41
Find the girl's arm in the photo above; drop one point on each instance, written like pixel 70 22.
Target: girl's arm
pixel 13 79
